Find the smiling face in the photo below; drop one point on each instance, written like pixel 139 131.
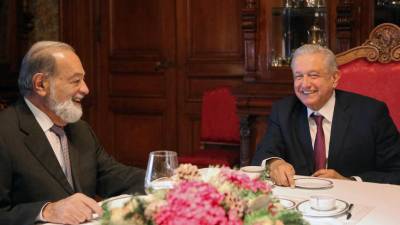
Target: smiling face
pixel 313 82
pixel 67 87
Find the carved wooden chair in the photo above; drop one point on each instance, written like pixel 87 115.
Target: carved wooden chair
pixel 220 138
pixel 373 69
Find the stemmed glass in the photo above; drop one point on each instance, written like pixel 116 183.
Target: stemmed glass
pixel 160 169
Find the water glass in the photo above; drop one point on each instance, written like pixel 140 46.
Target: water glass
pixel 160 169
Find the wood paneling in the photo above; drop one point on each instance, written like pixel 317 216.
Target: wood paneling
pixel 137 87
pixel 130 126
pixel 214 30
pixel 154 59
pixel 136 28
pixel 210 54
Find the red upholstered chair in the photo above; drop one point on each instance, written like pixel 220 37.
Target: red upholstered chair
pixel 373 69
pixel 220 138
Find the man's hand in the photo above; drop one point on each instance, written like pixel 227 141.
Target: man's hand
pixel 75 209
pixel 281 172
pixel 329 173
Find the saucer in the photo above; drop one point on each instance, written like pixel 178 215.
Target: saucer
pixel 305 208
pixel 286 203
pixel 313 183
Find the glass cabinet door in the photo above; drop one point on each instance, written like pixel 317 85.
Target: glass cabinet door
pixel 387 11
pixel 294 23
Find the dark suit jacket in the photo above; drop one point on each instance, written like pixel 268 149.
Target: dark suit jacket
pixel 30 174
pixel 364 140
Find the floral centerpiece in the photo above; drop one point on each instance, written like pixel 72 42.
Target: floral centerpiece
pixel 217 196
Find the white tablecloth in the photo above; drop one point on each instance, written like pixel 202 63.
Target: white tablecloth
pixel 373 203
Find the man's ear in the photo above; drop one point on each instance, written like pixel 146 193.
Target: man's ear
pixel 40 84
pixel 336 78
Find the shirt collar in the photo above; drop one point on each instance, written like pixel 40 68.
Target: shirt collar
pixel 44 121
pixel 327 110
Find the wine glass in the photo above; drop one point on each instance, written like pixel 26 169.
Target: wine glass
pixel 160 169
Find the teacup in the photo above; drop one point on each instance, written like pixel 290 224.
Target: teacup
pixel 322 202
pixel 253 171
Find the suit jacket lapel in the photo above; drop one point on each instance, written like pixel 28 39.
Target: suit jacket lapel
pixel 304 136
pixel 36 141
pixel 340 122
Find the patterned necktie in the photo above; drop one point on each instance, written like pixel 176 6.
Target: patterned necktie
pixel 64 147
pixel 319 144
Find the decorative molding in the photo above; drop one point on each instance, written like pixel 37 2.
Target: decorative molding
pixel 383 45
pixel 245 125
pixel 249 28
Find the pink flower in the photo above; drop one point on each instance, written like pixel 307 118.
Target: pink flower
pixel 243 181
pixel 194 203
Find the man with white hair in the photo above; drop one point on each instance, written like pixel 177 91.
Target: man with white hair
pixel 51 163
pixel 328 133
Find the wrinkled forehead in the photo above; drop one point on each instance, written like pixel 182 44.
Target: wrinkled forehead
pixel 310 62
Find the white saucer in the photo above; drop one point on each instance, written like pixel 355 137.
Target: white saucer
pixel 286 203
pixel 313 183
pixel 305 208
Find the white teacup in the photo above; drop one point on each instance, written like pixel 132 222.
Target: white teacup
pixel 252 171
pixel 322 202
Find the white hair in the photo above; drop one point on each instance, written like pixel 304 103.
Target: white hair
pixel 330 58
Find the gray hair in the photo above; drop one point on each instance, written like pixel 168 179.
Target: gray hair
pixel 39 59
pixel 330 58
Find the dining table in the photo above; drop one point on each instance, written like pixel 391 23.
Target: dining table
pixel 372 203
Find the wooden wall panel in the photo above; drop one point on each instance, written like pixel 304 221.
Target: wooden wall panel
pixel 138 80
pixel 128 128
pixel 190 137
pixel 137 85
pixel 137 105
pixel 135 27
pixel 214 29
pixel 213 69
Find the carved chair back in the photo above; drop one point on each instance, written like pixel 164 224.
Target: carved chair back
pixel 373 69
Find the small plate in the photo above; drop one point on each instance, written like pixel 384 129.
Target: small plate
pixel 313 183
pixel 117 201
pixel 287 203
pixel 305 208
